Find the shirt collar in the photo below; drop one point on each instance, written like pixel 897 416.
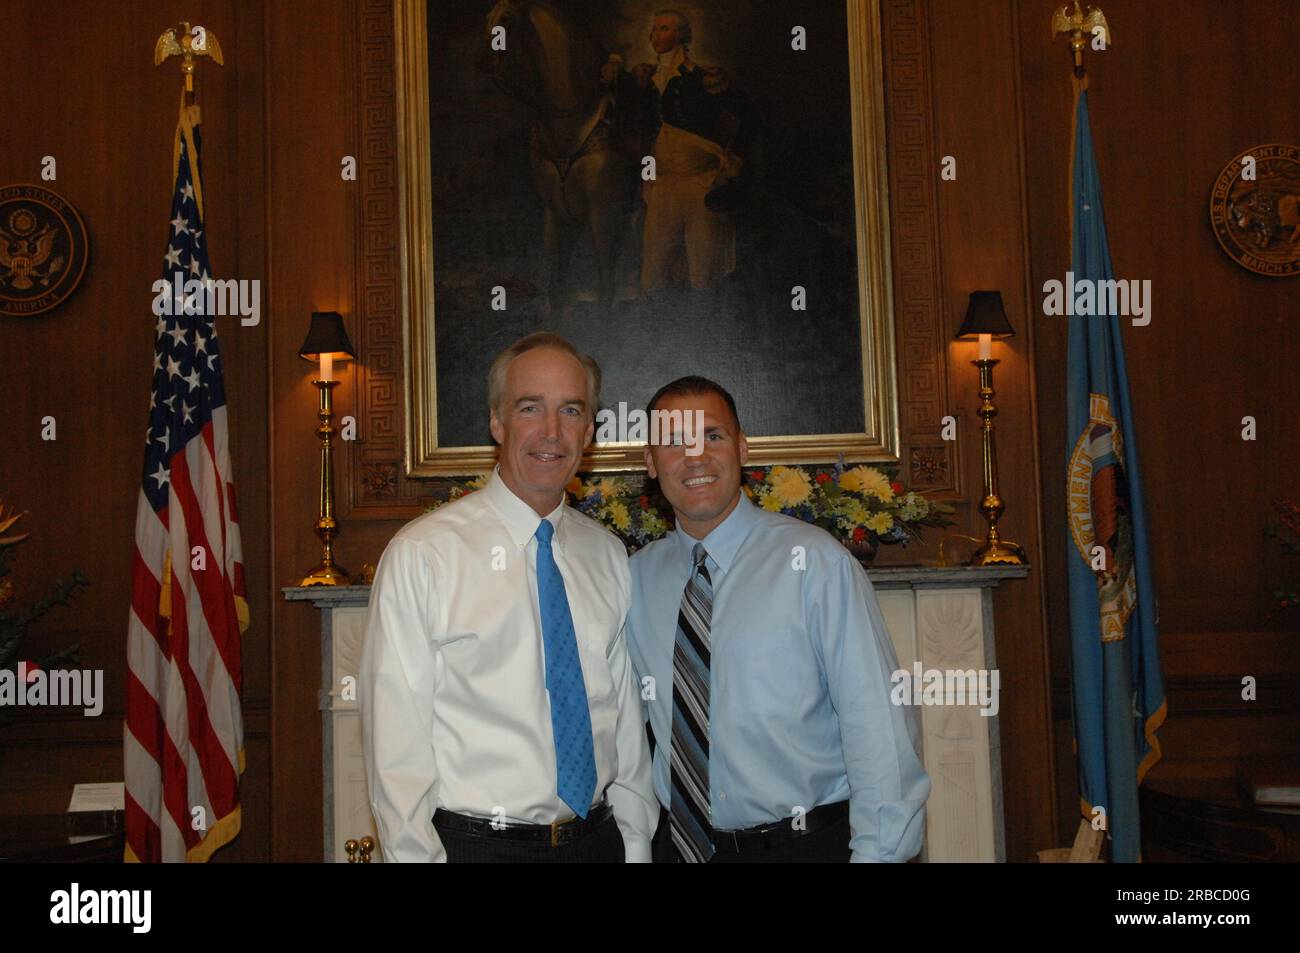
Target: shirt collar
pixel 521 519
pixel 669 67
pixel 723 542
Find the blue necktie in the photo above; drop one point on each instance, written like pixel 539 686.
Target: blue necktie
pixel 575 758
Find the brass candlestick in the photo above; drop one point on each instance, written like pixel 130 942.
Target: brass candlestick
pixel 327 342
pixel 986 320
pixel 327 573
pixel 995 551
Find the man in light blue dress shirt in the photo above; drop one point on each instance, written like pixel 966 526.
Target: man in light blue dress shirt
pixel 765 664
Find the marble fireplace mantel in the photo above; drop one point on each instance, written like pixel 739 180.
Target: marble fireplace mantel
pixel 939 617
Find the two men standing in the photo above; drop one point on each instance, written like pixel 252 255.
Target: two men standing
pixel 502 716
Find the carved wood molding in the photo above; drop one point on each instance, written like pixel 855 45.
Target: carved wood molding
pixel 373 475
pixel 930 462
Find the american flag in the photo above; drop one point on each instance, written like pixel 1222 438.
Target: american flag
pixel 183 742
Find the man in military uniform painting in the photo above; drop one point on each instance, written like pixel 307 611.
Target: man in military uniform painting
pixel 700 125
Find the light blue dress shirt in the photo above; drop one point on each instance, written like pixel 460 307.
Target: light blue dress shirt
pixel 799 711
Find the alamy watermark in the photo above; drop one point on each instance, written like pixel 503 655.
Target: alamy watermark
pixel 209 296
pixel 1085 296
pixel 75 905
pixel 31 686
pixel 659 428
pixel 933 686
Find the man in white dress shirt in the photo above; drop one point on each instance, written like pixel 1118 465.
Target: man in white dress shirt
pixel 500 717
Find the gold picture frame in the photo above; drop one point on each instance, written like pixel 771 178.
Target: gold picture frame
pixel 425 456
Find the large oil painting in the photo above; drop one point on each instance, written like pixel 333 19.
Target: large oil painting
pixel 677 188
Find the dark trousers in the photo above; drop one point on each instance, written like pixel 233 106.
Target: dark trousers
pixel 602 845
pixel 827 845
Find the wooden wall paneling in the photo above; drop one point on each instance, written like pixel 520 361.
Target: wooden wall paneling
pixel 310 237
pixel 946 96
pixel 1171 103
pixel 86 362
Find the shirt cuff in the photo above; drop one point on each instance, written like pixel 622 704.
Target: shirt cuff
pixel 636 851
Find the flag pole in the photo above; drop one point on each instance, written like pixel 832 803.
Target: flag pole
pixel 182 798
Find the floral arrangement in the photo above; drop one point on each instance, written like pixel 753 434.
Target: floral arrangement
pixel 860 506
pixel 1287 535
pixel 612 501
pixel 857 505
pixel 615 503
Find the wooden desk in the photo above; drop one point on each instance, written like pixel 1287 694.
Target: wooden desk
pixel 83 837
pixel 1205 820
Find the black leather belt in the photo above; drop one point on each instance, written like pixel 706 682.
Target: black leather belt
pixel 555 834
pixel 767 836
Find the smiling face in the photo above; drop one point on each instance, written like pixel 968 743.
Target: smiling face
pixel 705 488
pixel 663 34
pixel 543 422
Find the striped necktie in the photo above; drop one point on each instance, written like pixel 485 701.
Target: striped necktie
pixel 690 814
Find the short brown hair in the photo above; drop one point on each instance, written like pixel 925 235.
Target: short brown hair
pixel 692 386
pixel 497 372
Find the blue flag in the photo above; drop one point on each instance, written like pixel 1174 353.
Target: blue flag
pixel 1119 697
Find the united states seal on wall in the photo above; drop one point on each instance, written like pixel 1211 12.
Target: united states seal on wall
pixel 43 249
pixel 1255 209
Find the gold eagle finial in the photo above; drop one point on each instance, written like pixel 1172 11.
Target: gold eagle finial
pixel 1080 26
pixel 187 43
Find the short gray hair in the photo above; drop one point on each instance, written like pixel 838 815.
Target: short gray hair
pixel 497 373
pixel 684 35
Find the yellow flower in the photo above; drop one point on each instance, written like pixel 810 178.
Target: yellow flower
pixel 790 486
pixel 868 481
pixel 610 488
pixel 618 515
pixel 856 513
pixel 653 526
pixel 770 502
pixel 881 523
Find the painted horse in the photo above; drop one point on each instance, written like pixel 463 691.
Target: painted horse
pixel 553 66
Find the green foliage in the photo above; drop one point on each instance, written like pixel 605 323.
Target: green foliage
pixel 16 620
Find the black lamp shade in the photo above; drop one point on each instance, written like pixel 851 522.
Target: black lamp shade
pixel 326 336
pixel 985 315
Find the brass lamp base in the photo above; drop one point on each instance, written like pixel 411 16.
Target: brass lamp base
pixel 327 576
pixel 999 553
pixel 996 551
pixel 326 572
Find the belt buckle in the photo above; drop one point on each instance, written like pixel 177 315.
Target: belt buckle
pixel 556 827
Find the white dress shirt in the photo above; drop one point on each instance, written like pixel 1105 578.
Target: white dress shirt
pixel 454 708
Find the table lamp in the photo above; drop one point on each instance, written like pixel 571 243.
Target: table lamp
pixel 986 319
pixel 327 342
